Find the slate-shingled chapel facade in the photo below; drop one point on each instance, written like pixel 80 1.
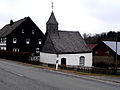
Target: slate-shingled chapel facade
pixel 21 36
pixel 68 47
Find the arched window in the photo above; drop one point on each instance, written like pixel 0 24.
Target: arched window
pixel 82 61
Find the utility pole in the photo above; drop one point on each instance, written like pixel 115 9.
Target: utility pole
pixel 116 53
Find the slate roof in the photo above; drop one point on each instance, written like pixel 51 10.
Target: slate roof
pixel 52 19
pixel 112 45
pixel 65 42
pixel 7 29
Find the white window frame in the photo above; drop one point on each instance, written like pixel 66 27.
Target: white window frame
pixel 14 40
pixel 96 52
pixel 39 41
pixel 27 41
pixel 3 40
pixel 3 48
pixel 37 50
pixel 107 52
pixel 16 50
pixel 82 61
pixel 23 31
pixel 33 31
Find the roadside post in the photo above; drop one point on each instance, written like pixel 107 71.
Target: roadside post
pixel 57 62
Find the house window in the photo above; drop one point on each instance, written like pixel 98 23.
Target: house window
pixel 107 52
pixel 23 31
pixel 3 48
pixel 39 41
pixel 14 40
pixel 37 50
pixel 33 32
pixel 15 49
pixel 96 52
pixel 27 41
pixel 3 40
pixel 82 61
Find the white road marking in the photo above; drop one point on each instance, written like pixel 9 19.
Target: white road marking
pixel 19 74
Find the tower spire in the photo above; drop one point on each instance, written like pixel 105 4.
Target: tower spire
pixel 52 24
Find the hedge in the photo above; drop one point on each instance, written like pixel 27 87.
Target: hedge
pixel 18 56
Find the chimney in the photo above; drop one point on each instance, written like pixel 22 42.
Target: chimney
pixel 11 22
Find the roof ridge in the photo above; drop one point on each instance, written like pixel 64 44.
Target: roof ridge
pixel 9 28
pixel 67 31
pixel 19 20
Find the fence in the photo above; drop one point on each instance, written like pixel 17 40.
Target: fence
pixel 111 71
pixel 96 70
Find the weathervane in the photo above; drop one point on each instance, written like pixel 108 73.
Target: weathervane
pixel 52 5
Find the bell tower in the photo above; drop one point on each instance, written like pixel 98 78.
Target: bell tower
pixel 52 24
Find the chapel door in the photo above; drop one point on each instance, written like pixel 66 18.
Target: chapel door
pixel 63 61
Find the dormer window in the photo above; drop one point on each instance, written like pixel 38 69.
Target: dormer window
pixel 23 31
pixel 14 40
pixel 39 41
pixel 27 41
pixel 33 32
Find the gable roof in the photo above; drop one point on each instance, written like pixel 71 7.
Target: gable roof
pixel 112 45
pixel 52 19
pixel 65 42
pixel 7 29
pixel 92 46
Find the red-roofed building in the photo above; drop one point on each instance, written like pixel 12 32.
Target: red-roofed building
pixel 105 52
pixel 92 46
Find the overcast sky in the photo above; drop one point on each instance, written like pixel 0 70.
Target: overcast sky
pixel 85 16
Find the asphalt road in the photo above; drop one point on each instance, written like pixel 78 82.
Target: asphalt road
pixel 21 77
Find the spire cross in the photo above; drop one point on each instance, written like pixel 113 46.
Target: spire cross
pixel 52 5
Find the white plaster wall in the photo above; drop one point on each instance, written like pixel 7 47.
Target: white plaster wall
pixel 71 59
pixel 48 58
